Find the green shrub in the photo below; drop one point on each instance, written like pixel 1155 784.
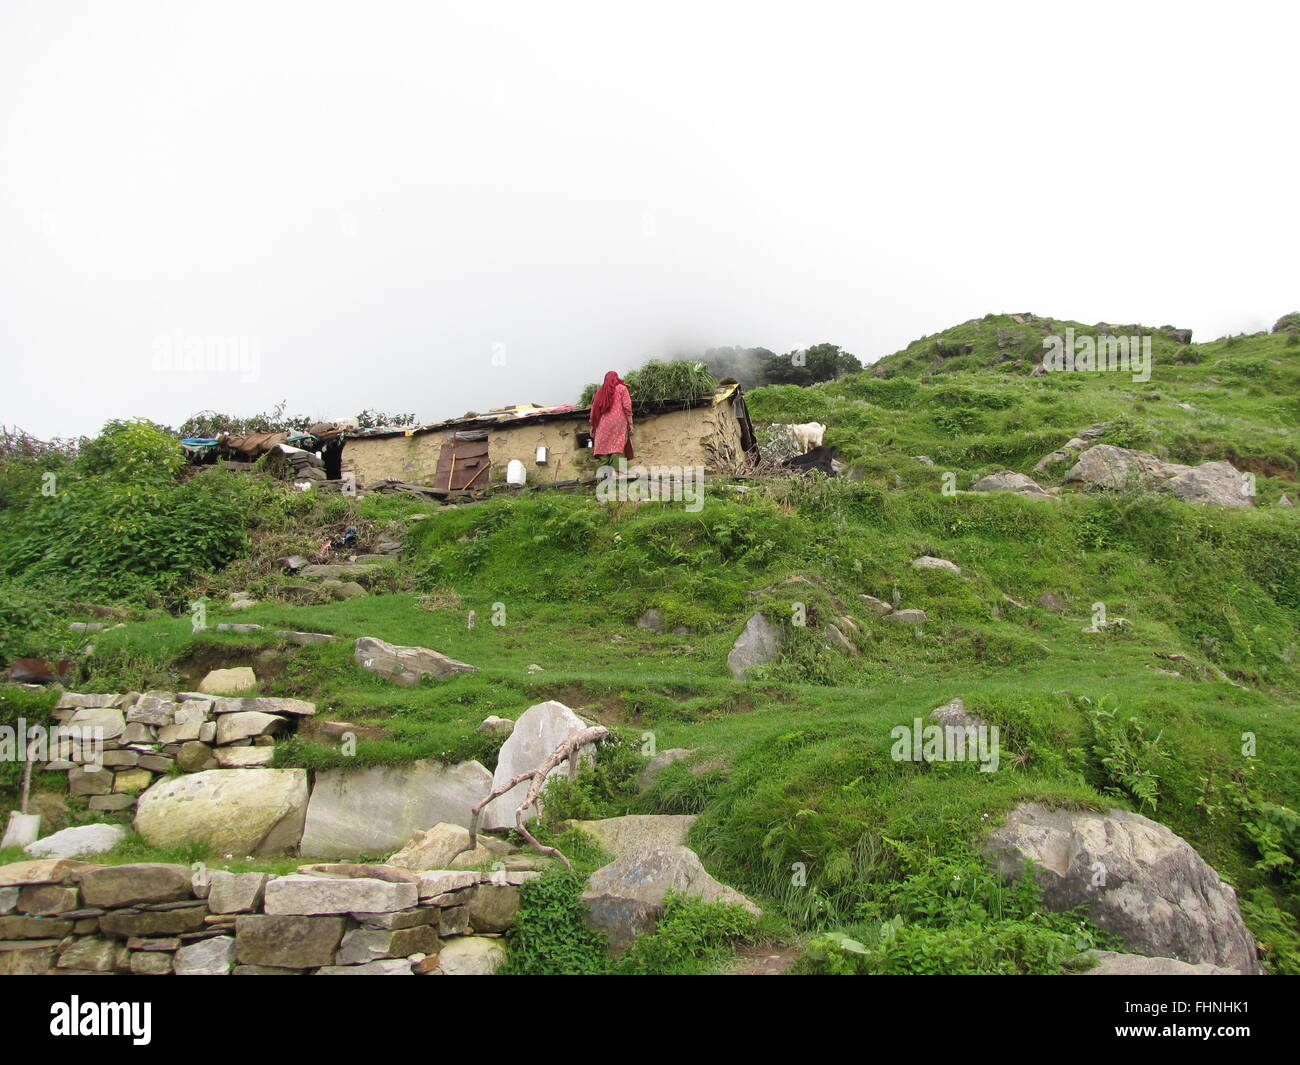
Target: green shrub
pixel 1128 758
pixel 690 936
pixel 550 936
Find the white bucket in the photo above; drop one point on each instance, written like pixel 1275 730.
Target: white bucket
pixel 515 472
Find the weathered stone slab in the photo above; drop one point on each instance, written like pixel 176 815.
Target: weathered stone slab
pixel 116 886
pixel 246 724
pixel 208 957
pixel 383 967
pixel 77 841
pixel 758 644
pixel 441 881
pixel 375 810
pixel 312 895
pixel 235 892
pixel 287 942
pixel 149 923
pixel 405 665
pixel 537 732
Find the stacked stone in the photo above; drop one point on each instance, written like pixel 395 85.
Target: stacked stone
pixel 144 736
pixel 144 919
pixel 328 920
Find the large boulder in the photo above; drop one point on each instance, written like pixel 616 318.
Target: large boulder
pixel 377 809
pixel 1108 466
pixel 758 644
pixel 1134 876
pixel 626 897
pixel 539 730
pixel 1211 483
pixel 1217 484
pixel 405 665
pixel 232 811
pixel 618 836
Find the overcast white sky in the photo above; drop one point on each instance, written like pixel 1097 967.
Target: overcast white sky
pixel 441 207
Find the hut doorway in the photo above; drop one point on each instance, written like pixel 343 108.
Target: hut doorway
pixel 462 463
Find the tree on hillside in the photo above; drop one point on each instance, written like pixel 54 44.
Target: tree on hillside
pixel 821 362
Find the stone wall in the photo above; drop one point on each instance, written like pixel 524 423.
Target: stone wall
pixel 60 916
pixel 114 746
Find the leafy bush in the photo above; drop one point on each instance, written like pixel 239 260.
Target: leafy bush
pixel 550 936
pixel 123 523
pixel 1129 759
pixel 955 916
pixel 690 937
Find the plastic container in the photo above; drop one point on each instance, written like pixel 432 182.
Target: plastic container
pixel 515 472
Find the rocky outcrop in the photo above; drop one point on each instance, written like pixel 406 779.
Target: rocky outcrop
pixel 232 811
pixel 537 732
pixel 1007 481
pixel 625 898
pixel 1105 466
pixel 653 621
pixel 954 714
pixel 1072 447
pixel 1217 484
pixel 375 810
pixel 877 606
pixel 757 645
pixel 1110 467
pixel 618 836
pixel 405 665
pixel 1110 963
pixel 1134 876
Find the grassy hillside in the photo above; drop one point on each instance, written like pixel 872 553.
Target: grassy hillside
pixel 801 804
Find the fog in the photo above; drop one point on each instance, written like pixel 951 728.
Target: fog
pixel 438 208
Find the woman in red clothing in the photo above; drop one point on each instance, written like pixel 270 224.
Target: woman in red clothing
pixel 611 418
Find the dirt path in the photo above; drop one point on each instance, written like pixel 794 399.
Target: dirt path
pixel 765 960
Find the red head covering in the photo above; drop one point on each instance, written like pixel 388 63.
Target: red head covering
pixel 604 397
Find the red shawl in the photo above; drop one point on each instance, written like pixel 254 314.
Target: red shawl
pixel 603 402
